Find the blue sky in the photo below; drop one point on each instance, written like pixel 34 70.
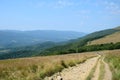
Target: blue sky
pixel 70 15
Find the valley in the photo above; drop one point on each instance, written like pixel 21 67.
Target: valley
pixel 59 39
pixel 91 57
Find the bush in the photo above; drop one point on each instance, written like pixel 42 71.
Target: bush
pixel 71 63
pixel 63 64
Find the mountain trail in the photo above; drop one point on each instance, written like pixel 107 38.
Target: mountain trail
pixel 78 72
pixel 108 73
pixel 97 72
pixel 82 71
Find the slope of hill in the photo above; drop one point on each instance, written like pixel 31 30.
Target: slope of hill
pixel 11 38
pixel 36 68
pixel 113 38
pixel 118 28
pixel 78 43
pixel 27 51
pixel 72 46
pixel 70 66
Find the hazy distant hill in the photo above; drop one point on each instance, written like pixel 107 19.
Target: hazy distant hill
pixel 118 28
pixel 71 46
pixel 26 51
pixel 9 38
pixel 80 45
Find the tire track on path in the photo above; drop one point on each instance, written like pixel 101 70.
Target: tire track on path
pixel 78 72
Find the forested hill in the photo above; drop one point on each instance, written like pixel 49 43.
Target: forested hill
pixel 72 46
pixel 77 44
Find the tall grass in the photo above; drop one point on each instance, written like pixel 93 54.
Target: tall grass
pixel 37 68
pixel 113 58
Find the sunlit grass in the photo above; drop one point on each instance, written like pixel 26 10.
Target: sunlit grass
pixel 114 38
pixel 37 68
pixel 113 58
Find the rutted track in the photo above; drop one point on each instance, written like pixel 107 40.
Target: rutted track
pixel 79 72
pixel 108 73
pixel 82 71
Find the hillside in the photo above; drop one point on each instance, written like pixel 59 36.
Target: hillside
pixel 85 66
pixel 79 45
pixel 68 66
pixel 26 51
pixel 113 38
pixel 118 28
pixel 72 46
pixel 12 38
pixel 36 68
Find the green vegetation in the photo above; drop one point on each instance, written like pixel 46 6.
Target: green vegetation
pixel 27 51
pixel 113 58
pixel 50 48
pixel 72 46
pixel 108 46
pixel 79 45
pixel 16 38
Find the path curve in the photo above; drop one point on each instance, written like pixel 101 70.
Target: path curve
pixel 97 71
pixel 79 72
pixel 108 73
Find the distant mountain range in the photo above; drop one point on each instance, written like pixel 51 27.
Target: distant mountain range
pixel 77 44
pixel 14 38
pixel 101 40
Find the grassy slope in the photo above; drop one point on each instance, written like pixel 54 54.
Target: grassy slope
pixel 114 38
pixel 27 51
pixel 35 50
pixel 113 58
pixel 78 42
pixel 37 68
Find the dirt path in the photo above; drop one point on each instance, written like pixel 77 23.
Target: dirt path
pixel 97 71
pixel 108 73
pixel 79 72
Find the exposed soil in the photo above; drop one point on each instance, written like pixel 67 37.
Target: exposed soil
pixel 81 71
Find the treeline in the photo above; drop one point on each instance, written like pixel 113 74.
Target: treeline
pixel 26 51
pixel 108 46
pixel 98 47
pixel 51 48
pixel 75 46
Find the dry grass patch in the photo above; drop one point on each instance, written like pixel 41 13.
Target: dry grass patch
pixel 113 58
pixel 114 38
pixel 37 68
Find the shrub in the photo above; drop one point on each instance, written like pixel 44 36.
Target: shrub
pixel 64 64
pixel 71 63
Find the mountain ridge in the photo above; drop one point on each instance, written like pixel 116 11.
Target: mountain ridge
pixel 71 46
pixel 22 38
